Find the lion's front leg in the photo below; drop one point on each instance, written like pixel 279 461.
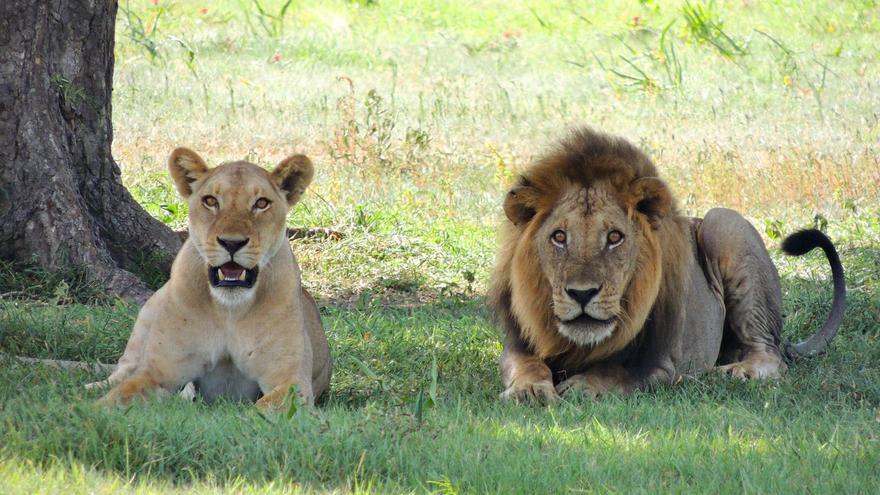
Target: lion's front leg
pixel 526 377
pixel 599 380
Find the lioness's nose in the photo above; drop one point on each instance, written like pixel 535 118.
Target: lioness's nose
pixel 583 296
pixel 232 245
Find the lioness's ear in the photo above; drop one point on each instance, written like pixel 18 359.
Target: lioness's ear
pixel 293 175
pixel 652 198
pixel 186 167
pixel 519 203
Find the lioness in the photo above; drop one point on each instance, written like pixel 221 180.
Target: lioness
pixel 233 318
pixel 602 285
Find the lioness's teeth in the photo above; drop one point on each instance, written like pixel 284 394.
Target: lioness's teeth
pixel 242 275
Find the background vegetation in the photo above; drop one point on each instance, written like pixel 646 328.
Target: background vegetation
pixel 418 115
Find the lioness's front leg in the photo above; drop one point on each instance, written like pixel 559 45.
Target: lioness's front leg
pixel 277 399
pixel 526 377
pixel 278 385
pixel 156 375
pixel 158 358
pixel 284 363
pixel 134 349
pixel 137 385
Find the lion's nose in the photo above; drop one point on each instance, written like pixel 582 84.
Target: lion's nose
pixel 232 245
pixel 583 296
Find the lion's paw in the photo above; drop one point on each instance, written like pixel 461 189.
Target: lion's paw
pixel 756 366
pixel 749 371
pixel 578 384
pixel 520 391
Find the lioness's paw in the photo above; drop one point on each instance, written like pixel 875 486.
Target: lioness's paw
pixel 578 384
pixel 279 401
pixel 269 405
pixel 99 384
pixel 188 392
pixel 542 392
pixel 109 401
pixel 114 399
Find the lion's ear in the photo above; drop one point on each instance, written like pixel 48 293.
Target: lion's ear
pixel 519 204
pixel 186 167
pixel 652 198
pixel 293 175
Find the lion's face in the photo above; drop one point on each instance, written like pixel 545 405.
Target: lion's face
pixel 237 215
pixel 584 262
pixel 589 239
pixel 588 248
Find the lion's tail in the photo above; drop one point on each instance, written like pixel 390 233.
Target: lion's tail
pixel 800 243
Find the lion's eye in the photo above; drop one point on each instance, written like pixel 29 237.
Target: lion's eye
pixel 615 237
pixel 262 204
pixel 559 237
pixel 209 201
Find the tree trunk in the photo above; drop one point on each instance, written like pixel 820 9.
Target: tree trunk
pixel 62 203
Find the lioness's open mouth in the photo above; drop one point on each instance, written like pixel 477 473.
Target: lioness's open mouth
pixel 232 275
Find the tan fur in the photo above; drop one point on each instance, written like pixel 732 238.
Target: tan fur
pixel 230 341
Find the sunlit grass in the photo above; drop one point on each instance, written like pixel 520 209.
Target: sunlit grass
pixel 418 115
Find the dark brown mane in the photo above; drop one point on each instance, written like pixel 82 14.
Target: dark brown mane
pixel 585 158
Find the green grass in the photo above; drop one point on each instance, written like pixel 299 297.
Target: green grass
pixel 817 428
pixel 418 115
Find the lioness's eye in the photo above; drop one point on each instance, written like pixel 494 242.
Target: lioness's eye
pixel 262 204
pixel 559 237
pixel 615 237
pixel 209 201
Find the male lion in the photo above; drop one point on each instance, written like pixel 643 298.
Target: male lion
pixel 233 319
pixel 603 286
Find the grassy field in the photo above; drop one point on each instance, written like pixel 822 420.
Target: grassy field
pixel 417 115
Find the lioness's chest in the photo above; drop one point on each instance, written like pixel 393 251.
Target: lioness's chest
pixel 225 371
pixel 225 379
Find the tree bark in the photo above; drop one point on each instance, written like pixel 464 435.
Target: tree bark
pixel 62 202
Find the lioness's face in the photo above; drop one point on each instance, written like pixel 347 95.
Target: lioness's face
pixel 588 248
pixel 237 215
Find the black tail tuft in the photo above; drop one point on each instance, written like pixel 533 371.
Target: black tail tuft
pixel 804 241
pixel 800 243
